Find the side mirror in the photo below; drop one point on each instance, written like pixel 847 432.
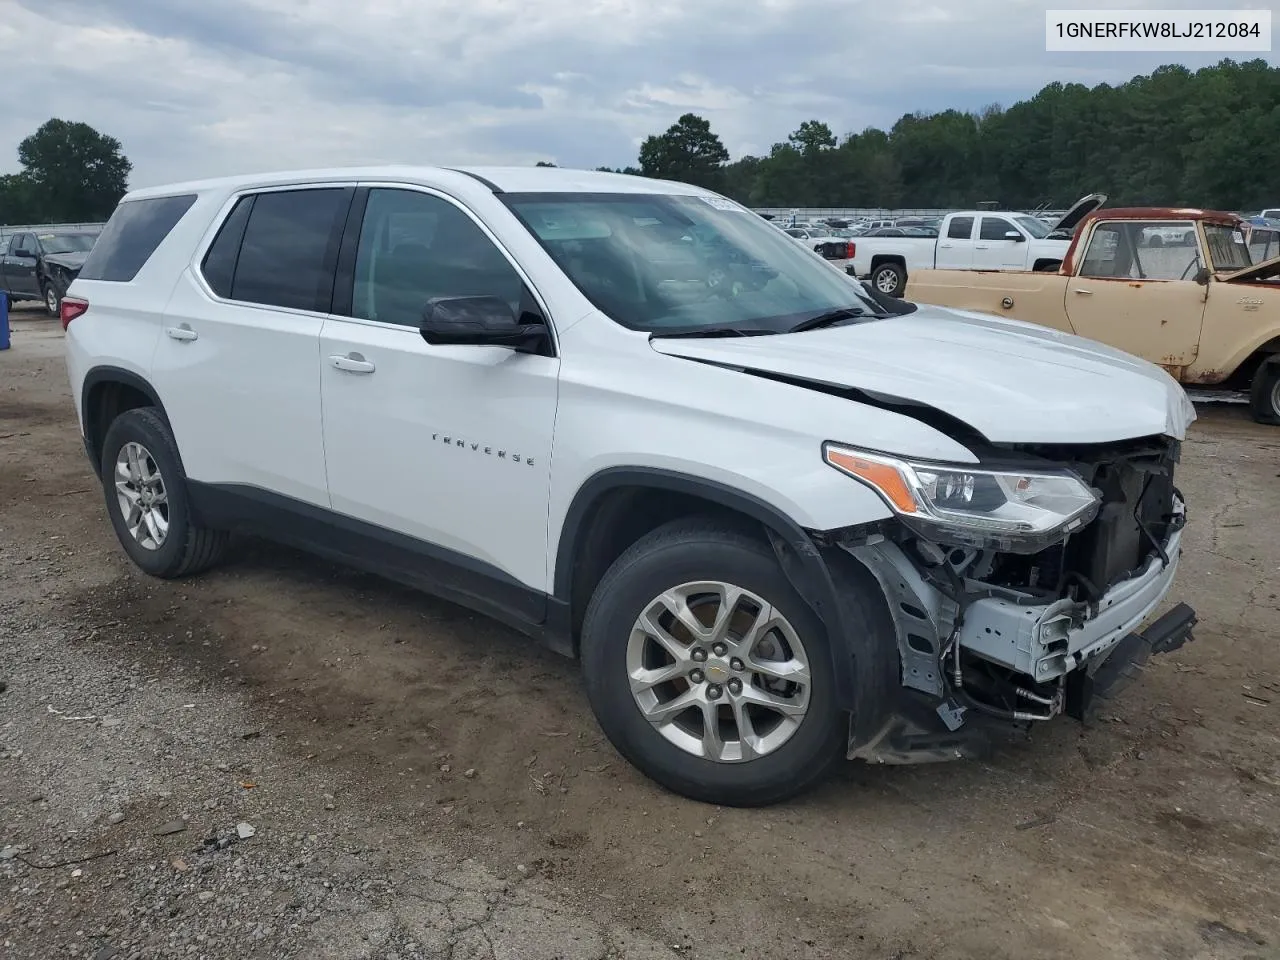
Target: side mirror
pixel 1014 235
pixel 23 254
pixel 479 321
pixel 1202 276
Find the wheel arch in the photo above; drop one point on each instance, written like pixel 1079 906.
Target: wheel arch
pixel 616 506
pixel 107 392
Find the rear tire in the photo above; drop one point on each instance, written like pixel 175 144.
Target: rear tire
pixel 146 493
pixel 1264 396
pixel 889 278
pixel 754 768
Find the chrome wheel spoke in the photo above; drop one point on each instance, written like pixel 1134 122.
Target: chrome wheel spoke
pixel 713 745
pixel 661 714
pixel 646 679
pixel 650 627
pixel 786 706
pixel 793 671
pixel 677 604
pixel 746 729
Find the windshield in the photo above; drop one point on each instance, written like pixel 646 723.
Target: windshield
pixel 1037 228
pixel 1227 248
pixel 67 242
pixel 667 263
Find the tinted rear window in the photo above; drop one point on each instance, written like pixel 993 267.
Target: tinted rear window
pixel 289 251
pixel 132 235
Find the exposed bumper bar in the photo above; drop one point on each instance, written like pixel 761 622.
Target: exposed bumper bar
pixel 1049 640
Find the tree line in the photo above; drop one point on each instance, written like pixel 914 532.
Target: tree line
pixel 1175 137
pixel 70 173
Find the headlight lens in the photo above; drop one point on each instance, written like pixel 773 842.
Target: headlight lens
pixel 1018 511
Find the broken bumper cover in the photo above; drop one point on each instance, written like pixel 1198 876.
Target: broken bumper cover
pixel 1093 649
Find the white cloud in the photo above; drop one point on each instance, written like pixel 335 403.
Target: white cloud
pixel 196 88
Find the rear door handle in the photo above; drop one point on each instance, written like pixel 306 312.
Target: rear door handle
pixel 181 333
pixel 981 246
pixel 353 363
pixel 1084 293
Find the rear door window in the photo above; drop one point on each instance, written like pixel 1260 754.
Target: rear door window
pixel 132 235
pixel 960 228
pixel 290 248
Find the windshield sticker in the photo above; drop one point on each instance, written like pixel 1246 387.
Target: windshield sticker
pixel 720 203
pixel 47 236
pixel 1237 236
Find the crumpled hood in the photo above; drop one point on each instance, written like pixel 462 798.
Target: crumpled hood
pixel 72 261
pixel 1012 382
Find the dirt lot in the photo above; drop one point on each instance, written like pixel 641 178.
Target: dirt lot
pixel 423 783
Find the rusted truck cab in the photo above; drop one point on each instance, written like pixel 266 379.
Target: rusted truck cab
pixel 1177 287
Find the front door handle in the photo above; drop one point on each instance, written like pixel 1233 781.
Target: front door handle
pixel 1084 293
pixel 352 363
pixel 183 332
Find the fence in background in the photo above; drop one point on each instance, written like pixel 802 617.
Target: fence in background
pixel 871 213
pixel 33 227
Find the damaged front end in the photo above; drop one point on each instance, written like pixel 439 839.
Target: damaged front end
pixel 1017 587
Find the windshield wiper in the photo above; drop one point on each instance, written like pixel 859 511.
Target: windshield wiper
pixel 829 318
pixel 712 332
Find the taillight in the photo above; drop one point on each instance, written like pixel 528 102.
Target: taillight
pixel 849 250
pixel 72 307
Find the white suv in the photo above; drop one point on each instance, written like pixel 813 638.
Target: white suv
pixel 780 521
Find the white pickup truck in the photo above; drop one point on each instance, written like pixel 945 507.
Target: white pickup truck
pixel 970 240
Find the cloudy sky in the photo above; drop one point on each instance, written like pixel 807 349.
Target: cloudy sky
pixel 207 87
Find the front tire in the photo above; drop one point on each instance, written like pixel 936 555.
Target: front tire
pixel 890 279
pixel 52 298
pixel 1264 396
pixel 707 670
pixel 146 493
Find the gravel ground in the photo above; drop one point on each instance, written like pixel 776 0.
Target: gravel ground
pixel 284 758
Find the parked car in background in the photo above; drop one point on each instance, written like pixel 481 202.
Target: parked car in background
pixel 782 526
pixel 927 223
pixel 1208 313
pixel 970 240
pixel 41 264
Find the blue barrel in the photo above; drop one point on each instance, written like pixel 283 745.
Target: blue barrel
pixel 4 320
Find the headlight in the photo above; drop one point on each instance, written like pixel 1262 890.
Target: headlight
pixel 1015 511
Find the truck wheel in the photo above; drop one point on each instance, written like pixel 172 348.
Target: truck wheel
pixel 889 278
pixel 1264 396
pixel 52 298
pixel 1155 240
pixel 146 493
pixel 707 670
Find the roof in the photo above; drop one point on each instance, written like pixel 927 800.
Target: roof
pixel 505 179
pixel 1163 213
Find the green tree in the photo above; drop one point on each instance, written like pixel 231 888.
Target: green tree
pixel 74 172
pixel 689 152
pixel 1172 137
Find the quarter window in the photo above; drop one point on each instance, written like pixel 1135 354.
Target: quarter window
pixel 131 236
pixel 995 228
pixel 415 247
pixel 289 249
pixel 219 265
pixel 960 228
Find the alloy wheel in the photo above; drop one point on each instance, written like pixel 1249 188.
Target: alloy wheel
pixel 143 499
pixel 718 671
pixel 886 281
